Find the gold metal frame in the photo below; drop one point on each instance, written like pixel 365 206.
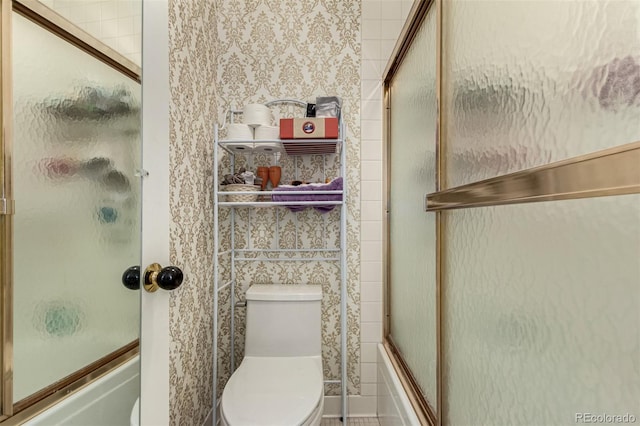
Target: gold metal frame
pixel 386 235
pixel 416 15
pixel 440 218
pixel 425 414
pixel 613 171
pixel 56 24
pixel 6 219
pixel 6 329
pixel 47 18
pixel 38 403
pixel 422 407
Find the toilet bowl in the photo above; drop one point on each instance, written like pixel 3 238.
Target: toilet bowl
pixel 267 391
pixel 280 380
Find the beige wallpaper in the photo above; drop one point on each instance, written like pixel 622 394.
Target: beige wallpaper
pixel 192 59
pixel 268 49
pixel 273 49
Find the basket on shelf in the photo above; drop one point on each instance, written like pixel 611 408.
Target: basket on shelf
pixel 237 190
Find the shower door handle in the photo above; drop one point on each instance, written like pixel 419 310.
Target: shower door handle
pixel 155 276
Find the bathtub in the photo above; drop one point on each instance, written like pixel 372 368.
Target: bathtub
pixel 394 407
pixel 105 402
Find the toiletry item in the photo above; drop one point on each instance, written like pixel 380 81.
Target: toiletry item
pixel 267 133
pixel 269 147
pixel 240 147
pixel 328 106
pixel 248 177
pixel 235 178
pixel 239 132
pixel 311 110
pixel 256 115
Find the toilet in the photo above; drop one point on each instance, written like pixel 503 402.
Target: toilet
pixel 280 380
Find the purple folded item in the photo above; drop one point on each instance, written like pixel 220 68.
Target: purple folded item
pixel 334 185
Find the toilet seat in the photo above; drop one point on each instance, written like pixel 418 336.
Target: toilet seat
pixel 269 391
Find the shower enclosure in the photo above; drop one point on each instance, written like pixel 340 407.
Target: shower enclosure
pixel 70 167
pixel 515 297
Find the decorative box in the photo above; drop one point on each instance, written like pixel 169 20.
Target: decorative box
pixel 309 128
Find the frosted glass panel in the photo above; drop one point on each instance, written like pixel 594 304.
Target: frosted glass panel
pixel 412 231
pixel 541 310
pixel 77 144
pixel 531 82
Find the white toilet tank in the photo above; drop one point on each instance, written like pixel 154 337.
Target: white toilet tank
pixel 283 320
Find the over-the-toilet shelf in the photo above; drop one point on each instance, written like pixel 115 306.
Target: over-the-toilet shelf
pixel 323 196
pixel 299 217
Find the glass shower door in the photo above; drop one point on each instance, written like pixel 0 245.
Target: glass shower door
pixel 541 301
pixel 412 233
pixel 76 148
pixel 537 213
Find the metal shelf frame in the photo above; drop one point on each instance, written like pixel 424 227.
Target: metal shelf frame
pixel 243 255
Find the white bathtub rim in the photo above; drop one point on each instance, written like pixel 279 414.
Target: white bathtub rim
pixel 395 391
pixel 99 389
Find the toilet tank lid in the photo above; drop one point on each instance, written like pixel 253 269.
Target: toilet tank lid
pixel 284 292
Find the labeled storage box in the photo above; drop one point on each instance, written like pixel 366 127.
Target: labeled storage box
pixel 309 128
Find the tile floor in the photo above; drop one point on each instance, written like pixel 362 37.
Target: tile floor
pixel 354 421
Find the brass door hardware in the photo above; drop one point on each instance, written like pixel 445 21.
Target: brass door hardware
pixel 155 276
pixel 6 206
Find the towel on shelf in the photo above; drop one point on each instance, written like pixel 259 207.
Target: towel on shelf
pixel 334 185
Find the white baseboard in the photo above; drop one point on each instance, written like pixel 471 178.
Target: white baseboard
pixel 358 406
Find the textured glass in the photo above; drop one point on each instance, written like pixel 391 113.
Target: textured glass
pixel 531 82
pixel 412 231
pixel 77 221
pixel 541 309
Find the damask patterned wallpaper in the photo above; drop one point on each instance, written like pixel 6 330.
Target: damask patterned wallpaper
pixel 192 59
pixel 225 53
pixel 272 49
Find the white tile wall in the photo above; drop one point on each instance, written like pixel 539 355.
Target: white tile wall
pixel 382 21
pixel 117 23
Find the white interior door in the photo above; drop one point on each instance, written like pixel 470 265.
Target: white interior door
pixel 154 336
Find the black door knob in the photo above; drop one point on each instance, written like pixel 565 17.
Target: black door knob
pixel 169 278
pixel 131 278
pixel 155 276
